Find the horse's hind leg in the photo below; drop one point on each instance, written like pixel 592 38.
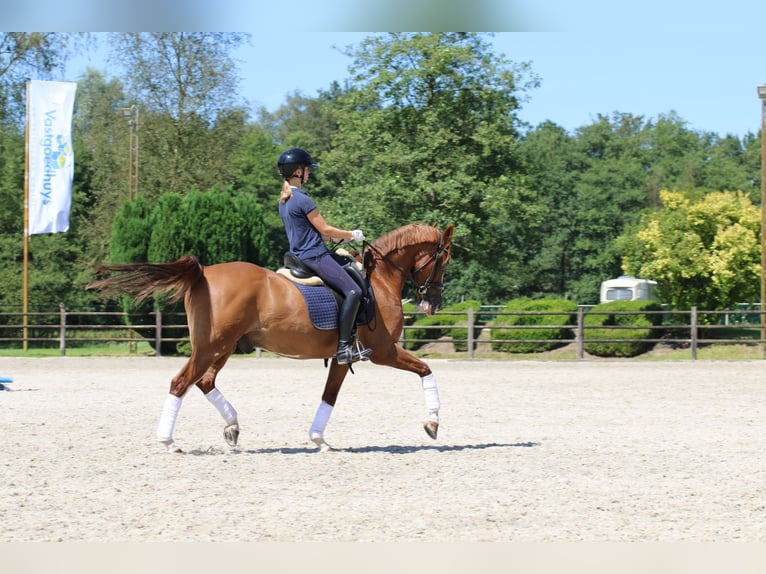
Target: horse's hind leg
pixel 189 373
pixel 329 396
pixel 207 385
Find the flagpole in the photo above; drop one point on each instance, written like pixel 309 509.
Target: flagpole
pixel 25 285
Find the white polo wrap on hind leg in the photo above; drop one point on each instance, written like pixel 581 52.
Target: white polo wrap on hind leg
pixel 168 418
pixel 224 407
pixel 320 420
pixel 431 393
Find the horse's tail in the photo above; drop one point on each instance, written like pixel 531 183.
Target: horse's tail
pixel 143 280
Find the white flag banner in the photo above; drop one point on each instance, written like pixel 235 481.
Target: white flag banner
pixel 50 154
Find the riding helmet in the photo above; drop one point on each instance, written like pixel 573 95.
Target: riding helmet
pixel 292 159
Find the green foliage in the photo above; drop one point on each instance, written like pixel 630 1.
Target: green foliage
pixel 553 325
pixel 255 175
pixel 703 253
pixel 170 236
pixel 594 185
pixel 25 55
pixel 426 128
pixel 191 116
pixel 131 231
pixel 424 328
pixel 410 311
pixel 428 133
pixel 637 327
pixel 215 226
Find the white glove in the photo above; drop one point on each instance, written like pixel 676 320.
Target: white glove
pixel 357 235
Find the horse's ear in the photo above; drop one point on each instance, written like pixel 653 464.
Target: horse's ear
pixel 447 235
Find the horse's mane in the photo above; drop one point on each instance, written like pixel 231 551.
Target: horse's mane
pixel 405 236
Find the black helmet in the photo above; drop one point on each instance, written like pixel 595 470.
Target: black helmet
pixel 292 159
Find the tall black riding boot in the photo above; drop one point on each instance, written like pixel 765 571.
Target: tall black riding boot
pixel 347 352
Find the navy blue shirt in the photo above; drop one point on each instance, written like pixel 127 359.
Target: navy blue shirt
pixel 305 241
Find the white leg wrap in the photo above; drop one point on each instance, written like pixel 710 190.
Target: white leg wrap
pixel 320 421
pixel 431 393
pixel 168 418
pixel 224 407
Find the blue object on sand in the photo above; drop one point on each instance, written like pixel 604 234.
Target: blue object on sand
pixel 5 380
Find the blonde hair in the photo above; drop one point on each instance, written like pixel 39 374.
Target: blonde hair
pixel 287 192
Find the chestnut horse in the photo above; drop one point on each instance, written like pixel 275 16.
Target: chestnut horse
pixel 241 303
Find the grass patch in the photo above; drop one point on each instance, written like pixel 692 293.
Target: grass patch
pixel 115 349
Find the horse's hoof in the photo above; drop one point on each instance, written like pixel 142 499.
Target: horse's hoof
pixel 323 446
pixel 431 428
pixel 231 434
pixel 171 446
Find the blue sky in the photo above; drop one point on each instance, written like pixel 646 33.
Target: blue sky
pixel 702 60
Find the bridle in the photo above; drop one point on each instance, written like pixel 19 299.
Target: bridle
pixel 429 283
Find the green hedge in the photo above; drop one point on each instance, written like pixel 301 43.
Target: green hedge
pixel 524 304
pixel 410 311
pixel 458 334
pixel 629 349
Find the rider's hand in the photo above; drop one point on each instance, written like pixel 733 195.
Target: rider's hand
pixel 357 235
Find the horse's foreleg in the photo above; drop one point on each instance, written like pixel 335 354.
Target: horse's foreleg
pixel 431 395
pixel 400 358
pixel 316 431
pixel 168 422
pixel 329 396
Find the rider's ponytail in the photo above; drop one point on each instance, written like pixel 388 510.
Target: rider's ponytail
pixel 287 192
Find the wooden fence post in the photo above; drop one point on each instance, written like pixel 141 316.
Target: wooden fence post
pixel 157 332
pixel 470 333
pixel 693 329
pixel 62 329
pixel 580 332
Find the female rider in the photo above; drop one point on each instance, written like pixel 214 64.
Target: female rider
pixel 306 232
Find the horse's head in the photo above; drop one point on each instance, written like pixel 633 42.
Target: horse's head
pixel 417 252
pixel 428 272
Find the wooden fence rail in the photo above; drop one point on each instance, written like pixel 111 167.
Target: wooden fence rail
pixel 83 327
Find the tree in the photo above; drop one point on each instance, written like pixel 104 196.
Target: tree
pixel 595 183
pixel 731 164
pixel 25 55
pixel 191 120
pixel 307 122
pixel 53 259
pixel 703 253
pixel 131 232
pixel 254 167
pixel 610 191
pixel 216 226
pixel 101 140
pixel 552 167
pixel 428 132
